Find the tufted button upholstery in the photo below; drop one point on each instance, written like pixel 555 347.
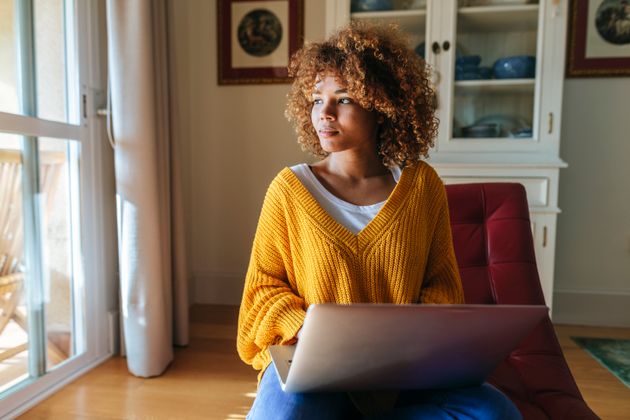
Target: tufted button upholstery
pixel 495 253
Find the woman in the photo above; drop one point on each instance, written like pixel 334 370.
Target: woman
pixel 366 223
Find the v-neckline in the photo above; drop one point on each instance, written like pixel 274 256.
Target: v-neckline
pixel 390 207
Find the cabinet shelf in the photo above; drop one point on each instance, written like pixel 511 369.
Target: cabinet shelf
pixel 495 86
pixel 413 21
pixel 498 18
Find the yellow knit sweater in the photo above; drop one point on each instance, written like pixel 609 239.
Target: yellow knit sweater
pixel 301 255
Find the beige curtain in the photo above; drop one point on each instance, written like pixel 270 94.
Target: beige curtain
pixel 153 274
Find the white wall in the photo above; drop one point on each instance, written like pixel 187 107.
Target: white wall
pixel 233 139
pixel 592 274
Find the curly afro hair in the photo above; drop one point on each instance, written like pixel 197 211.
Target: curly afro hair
pixel 383 75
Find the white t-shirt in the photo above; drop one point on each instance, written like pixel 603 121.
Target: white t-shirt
pixel 353 217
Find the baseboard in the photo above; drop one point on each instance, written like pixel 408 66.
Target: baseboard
pixel 218 288
pixel 576 307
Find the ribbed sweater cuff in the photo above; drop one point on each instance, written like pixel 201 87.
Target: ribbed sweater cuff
pixel 291 322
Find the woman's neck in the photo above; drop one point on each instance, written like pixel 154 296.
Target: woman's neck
pixel 353 167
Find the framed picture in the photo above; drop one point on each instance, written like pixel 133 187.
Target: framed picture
pixel 256 39
pixel 599 38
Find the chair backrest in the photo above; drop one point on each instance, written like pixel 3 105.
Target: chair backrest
pixel 493 243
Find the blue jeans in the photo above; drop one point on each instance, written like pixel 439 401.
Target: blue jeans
pixel 476 402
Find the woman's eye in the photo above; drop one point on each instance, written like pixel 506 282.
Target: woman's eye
pixel 345 101
pixel 317 101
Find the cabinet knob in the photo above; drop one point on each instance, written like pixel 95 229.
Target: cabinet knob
pixel 435 47
pixel 550 123
pixel 544 243
pixel 446 45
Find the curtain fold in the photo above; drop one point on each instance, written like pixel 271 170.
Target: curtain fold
pixel 153 272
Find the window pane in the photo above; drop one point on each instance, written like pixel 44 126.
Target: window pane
pixel 13 326
pixel 59 170
pixel 61 282
pixel 54 71
pixel 54 76
pixel 8 58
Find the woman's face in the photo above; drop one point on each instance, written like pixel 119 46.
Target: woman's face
pixel 340 122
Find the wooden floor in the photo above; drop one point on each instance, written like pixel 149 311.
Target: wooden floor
pixel 207 380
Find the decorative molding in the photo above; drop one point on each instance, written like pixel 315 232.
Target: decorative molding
pixel 590 307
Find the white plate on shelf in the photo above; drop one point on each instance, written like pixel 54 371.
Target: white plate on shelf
pixel 507 123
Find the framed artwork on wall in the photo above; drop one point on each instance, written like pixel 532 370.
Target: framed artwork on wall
pixel 256 38
pixel 598 38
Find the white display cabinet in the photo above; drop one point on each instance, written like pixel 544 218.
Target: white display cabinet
pixel 492 128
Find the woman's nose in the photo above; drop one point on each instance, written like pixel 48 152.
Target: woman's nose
pixel 327 112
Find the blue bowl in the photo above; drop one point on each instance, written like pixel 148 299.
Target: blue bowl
pixel 370 5
pixel 517 67
pixel 464 60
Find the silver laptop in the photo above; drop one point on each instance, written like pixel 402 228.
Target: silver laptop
pixel 386 346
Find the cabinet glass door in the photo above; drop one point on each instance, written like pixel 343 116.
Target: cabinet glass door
pixel 496 71
pixel 409 15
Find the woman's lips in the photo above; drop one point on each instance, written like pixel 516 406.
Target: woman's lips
pixel 327 133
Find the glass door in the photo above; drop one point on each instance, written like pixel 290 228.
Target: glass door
pixel 495 70
pixel 42 305
pixel 493 76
